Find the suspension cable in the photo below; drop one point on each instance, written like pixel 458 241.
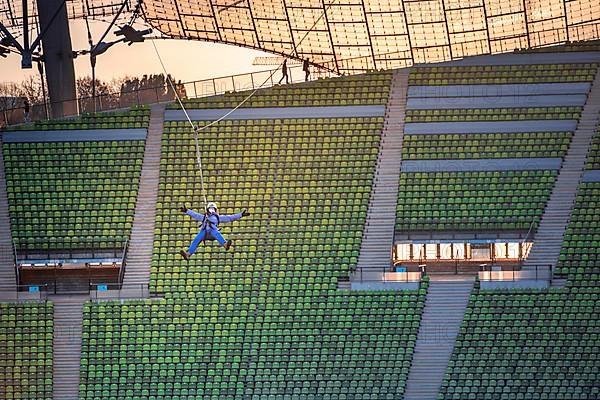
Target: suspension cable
pixel 197 129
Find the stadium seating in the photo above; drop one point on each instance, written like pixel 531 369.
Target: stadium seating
pixel 593 159
pixel 536 344
pixel 137 117
pixel 338 346
pixel 265 320
pixel 502 74
pixel 371 88
pixel 306 183
pixel 72 195
pixel 580 254
pixel 524 345
pixel 481 145
pixel 26 350
pixel 483 200
pixel 493 200
pixel 493 114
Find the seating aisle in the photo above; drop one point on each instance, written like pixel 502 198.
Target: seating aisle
pixel 68 316
pixel 378 231
pixel 8 278
pixel 447 298
pixel 549 236
pixel 139 254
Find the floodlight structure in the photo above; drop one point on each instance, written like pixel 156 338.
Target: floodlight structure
pixel 132 35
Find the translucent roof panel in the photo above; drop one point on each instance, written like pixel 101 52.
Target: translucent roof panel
pixel 11 11
pixel 348 36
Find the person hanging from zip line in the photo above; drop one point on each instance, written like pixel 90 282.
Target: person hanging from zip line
pixel 209 229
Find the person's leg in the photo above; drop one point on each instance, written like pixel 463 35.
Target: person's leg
pixel 215 234
pixel 218 236
pixel 199 237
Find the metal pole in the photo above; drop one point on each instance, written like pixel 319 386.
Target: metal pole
pixel 25 25
pixel 447 30
pixel 93 62
pixel 566 20
pixel 526 23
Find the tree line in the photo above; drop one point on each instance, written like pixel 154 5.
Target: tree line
pixel 117 93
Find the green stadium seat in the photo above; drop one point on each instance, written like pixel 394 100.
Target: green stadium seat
pixel 71 195
pixel 26 335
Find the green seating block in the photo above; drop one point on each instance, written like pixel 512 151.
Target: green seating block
pixel 72 195
pixel 26 336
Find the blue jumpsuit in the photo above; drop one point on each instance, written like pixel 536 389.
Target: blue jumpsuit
pixel 210 228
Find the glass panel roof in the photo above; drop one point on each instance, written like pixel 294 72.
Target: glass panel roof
pixel 351 36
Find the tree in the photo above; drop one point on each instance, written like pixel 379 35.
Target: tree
pixel 149 89
pixel 30 88
pixel 13 95
pixel 117 93
pixel 106 98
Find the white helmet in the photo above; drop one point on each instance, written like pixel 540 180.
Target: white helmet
pixel 213 206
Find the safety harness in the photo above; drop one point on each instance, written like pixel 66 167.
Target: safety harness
pixel 207 223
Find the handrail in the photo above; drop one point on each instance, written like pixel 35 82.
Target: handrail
pixel 91 250
pixel 17 273
pixel 90 288
pixel 530 228
pixel 526 240
pixel 385 274
pixel 541 272
pixel 17 292
pixel 118 290
pixel 191 89
pixel 407 57
pixel 123 266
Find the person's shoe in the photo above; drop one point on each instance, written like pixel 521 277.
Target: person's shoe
pixel 227 244
pixel 185 255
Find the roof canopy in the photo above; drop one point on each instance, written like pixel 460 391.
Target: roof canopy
pixel 349 36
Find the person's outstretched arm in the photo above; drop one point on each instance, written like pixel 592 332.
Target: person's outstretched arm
pixel 192 213
pixel 233 217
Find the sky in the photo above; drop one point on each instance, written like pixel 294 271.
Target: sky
pixel 185 60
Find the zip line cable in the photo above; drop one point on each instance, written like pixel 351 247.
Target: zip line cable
pixel 194 127
pixel 197 129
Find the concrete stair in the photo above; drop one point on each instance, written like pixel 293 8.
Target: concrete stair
pixel 378 234
pixel 8 280
pixel 558 283
pixel 445 306
pixel 549 237
pixel 68 317
pixel 139 253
